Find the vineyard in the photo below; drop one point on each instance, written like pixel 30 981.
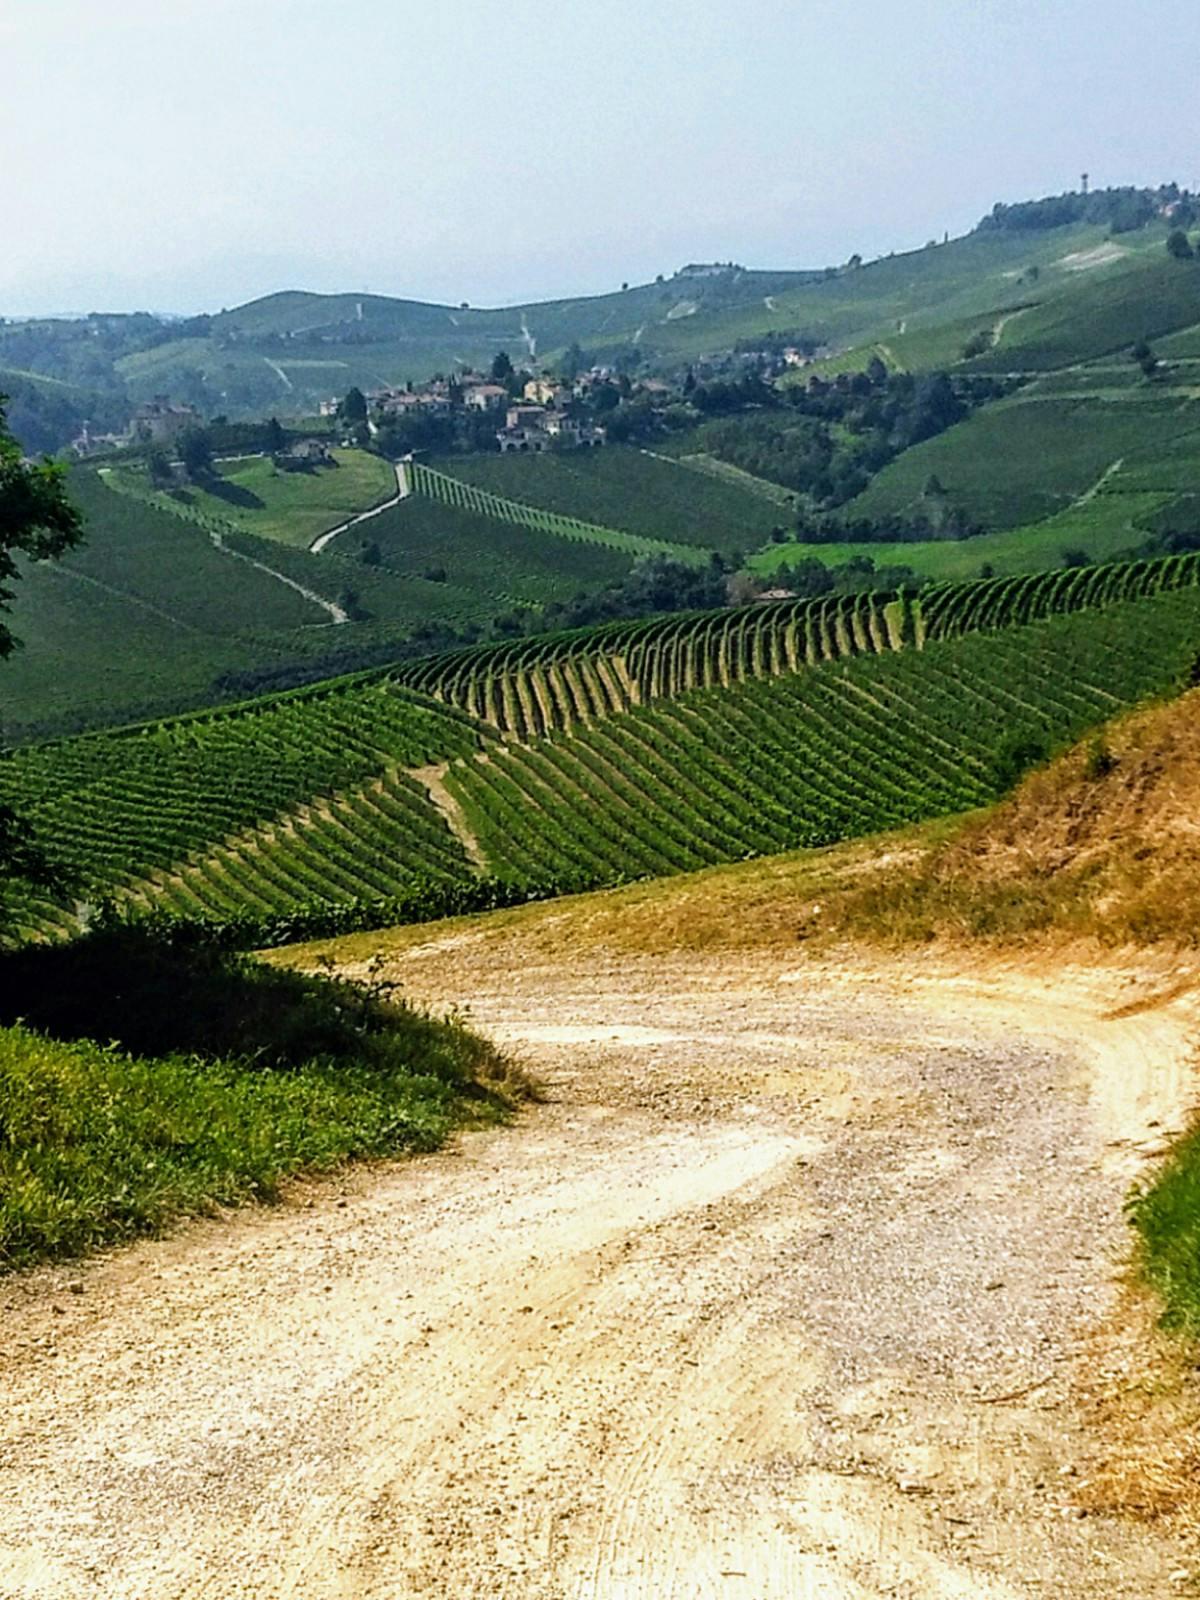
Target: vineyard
pixel 1028 457
pixel 114 809
pixel 537 685
pixel 499 563
pixel 648 495
pixel 640 748
pixel 468 497
pixel 853 748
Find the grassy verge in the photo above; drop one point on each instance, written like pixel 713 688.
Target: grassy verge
pixel 216 1080
pixel 1166 1214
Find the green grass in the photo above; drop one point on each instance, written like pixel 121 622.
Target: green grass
pixel 621 487
pixel 291 507
pixel 1166 1214
pixel 171 1082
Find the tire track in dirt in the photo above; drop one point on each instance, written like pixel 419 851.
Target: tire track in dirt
pixel 778 1296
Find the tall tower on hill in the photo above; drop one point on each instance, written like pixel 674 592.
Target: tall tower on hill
pixel 1083 183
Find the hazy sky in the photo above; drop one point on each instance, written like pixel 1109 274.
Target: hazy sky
pixel 189 154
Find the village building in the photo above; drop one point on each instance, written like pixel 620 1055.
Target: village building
pixel 485 397
pixel 545 391
pixel 160 421
pixel 526 441
pixel 566 430
pixel 424 402
pixel 304 453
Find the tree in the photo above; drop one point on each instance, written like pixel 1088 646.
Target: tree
pixel 1178 245
pixel 158 467
pixel 36 520
pixel 571 363
pixel 502 367
pixel 876 370
pixel 354 406
pixel 195 451
pixel 275 437
pixel 1144 355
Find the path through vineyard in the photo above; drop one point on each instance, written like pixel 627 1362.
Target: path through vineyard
pixel 781 1294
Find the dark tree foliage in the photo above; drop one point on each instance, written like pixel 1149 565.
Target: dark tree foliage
pixel 1179 245
pixel 1122 210
pixel 37 521
pixel 195 451
pixel 827 439
pixel 354 406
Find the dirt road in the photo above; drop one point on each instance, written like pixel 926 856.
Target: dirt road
pixel 779 1296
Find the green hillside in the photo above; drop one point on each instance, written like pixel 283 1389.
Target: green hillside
pixel 576 759
pixel 163 609
pixel 1046 295
pixel 505 563
pixel 622 487
pixel 1021 460
pixel 253 494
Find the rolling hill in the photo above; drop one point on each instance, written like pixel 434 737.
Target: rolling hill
pixel 634 749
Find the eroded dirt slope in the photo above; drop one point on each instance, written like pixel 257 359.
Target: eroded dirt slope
pixel 781 1294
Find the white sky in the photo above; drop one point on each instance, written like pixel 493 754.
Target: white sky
pixel 189 154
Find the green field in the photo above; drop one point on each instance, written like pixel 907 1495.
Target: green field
pixel 1104 528
pixel 620 487
pixel 291 507
pixel 149 616
pixel 1142 297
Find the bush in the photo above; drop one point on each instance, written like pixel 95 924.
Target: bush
pixel 1014 757
pixel 216 1077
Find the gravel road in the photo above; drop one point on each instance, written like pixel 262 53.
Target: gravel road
pixel 780 1295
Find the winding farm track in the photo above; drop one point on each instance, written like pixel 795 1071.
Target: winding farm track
pixel 403 490
pixel 337 614
pixel 781 1295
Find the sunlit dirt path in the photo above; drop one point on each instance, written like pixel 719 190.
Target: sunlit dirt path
pixel 779 1294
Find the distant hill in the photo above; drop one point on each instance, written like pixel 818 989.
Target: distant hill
pixel 1042 261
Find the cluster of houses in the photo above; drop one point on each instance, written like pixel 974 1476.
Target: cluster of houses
pixel 544 416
